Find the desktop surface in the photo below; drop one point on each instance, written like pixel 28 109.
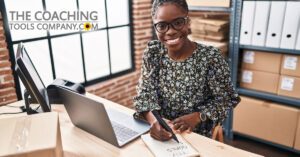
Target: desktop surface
pixel 78 143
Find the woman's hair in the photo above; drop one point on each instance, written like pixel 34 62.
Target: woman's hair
pixel 181 3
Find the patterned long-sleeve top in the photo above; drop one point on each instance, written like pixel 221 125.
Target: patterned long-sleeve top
pixel 200 83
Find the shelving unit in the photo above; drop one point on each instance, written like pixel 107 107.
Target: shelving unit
pixel 268 96
pixel 286 51
pixel 199 8
pixel 237 48
pixel 228 122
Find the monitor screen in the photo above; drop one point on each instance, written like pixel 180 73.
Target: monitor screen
pixel 31 79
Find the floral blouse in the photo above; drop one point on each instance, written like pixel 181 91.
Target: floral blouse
pixel 200 83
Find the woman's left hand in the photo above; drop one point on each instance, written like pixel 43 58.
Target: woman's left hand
pixel 186 123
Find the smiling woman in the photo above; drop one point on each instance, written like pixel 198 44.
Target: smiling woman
pixel 187 82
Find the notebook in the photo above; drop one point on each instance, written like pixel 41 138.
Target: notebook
pixel 170 148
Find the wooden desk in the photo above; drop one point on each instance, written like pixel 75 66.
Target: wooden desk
pixel 78 143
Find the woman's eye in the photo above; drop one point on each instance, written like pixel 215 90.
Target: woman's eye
pixel 161 26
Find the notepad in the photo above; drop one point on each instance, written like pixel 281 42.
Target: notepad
pixel 170 148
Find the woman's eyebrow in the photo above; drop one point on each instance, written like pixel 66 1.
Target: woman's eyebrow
pixel 171 20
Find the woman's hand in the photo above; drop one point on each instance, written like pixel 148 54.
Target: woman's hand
pixel 186 123
pixel 159 133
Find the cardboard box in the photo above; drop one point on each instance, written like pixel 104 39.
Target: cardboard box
pixel 261 61
pixel 297 138
pixel 290 65
pixel 213 25
pixel 269 121
pixel 35 136
pixel 261 81
pixel 289 86
pixel 209 3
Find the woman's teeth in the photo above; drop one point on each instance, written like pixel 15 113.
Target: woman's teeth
pixel 172 41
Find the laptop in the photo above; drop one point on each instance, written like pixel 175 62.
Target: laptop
pixel 114 127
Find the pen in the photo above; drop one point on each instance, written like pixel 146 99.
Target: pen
pixel 164 124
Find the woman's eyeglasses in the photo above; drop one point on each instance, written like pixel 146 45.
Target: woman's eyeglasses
pixel 177 24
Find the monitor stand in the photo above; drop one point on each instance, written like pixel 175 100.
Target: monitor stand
pixel 28 100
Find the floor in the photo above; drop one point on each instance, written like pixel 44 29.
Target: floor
pixel 259 148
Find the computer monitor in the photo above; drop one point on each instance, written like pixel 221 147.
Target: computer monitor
pixel 31 79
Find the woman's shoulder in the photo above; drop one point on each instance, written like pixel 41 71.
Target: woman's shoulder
pixel 209 52
pixel 154 49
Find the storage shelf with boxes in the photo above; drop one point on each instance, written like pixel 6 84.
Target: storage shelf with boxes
pixel 268 73
pixel 210 28
pixel 269 122
pixel 219 16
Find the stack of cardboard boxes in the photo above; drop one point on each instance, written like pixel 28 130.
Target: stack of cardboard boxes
pixel 269 121
pixel 271 72
pixel 210 28
pixel 289 84
pixel 209 3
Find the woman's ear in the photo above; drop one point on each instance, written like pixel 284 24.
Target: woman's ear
pixel 189 26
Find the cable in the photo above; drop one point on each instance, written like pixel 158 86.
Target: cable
pixel 21 108
pixel 11 106
pixel 11 113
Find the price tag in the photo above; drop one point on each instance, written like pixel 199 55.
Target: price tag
pixel 290 62
pixel 249 57
pixel 247 76
pixel 287 83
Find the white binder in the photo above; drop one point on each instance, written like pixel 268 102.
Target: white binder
pixel 247 22
pixel 291 25
pixel 259 33
pixel 275 23
pixel 298 37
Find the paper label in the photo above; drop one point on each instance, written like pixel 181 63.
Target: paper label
pixel 290 63
pixel 247 76
pixel 249 57
pixel 287 83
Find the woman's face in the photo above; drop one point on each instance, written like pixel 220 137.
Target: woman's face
pixel 171 16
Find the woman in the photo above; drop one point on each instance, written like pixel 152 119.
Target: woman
pixel 187 82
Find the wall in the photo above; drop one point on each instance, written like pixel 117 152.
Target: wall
pixel 7 90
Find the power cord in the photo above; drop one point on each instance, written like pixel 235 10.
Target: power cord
pixel 22 108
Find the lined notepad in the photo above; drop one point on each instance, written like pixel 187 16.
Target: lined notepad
pixel 170 148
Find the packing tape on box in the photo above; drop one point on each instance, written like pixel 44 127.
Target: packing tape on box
pixel 20 134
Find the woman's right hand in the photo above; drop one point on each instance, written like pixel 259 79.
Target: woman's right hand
pixel 159 133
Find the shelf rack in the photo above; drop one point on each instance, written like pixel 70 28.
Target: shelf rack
pixel 237 48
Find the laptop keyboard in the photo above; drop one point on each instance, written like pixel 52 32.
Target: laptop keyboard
pixel 122 132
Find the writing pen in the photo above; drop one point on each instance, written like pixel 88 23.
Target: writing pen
pixel 164 124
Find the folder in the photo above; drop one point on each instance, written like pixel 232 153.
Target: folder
pixel 291 25
pixel 275 23
pixel 247 22
pixel 262 11
pixel 298 38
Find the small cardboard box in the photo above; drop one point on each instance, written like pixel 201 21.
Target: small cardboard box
pixel 261 61
pixel 209 3
pixel 290 65
pixel 261 81
pixel 35 136
pixel 297 138
pixel 269 121
pixel 289 86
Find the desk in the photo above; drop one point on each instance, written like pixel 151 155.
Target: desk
pixel 78 143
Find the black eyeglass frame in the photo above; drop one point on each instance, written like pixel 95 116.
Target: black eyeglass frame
pixel 171 23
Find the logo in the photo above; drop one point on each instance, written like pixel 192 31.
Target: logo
pixel 53 20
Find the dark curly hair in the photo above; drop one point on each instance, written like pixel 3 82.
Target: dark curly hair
pixel 181 3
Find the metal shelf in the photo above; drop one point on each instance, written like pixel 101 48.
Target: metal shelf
pixel 287 51
pixel 268 96
pixel 200 8
pixel 268 142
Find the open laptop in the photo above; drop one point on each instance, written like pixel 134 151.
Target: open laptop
pixel 114 127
